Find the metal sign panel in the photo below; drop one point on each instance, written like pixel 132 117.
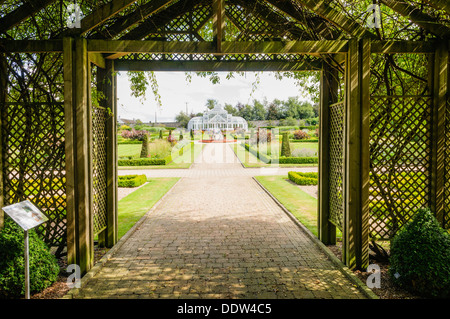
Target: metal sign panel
pixel 25 214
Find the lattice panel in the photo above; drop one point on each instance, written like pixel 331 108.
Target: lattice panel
pixel 34 163
pixel 99 116
pixel 399 161
pixel 447 169
pixel 336 178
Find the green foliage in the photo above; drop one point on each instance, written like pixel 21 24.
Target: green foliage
pixel 301 135
pixel 160 134
pixel 285 147
pixel 44 268
pixel 298 160
pixel 132 180
pixel 144 149
pixel 420 254
pixel 142 162
pixel 303 178
pixel 125 127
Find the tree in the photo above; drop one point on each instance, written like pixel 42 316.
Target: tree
pixel 259 111
pixel 183 119
pixel 231 109
pixel 211 103
pixel 273 112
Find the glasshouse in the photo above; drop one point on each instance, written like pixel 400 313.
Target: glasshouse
pixel 217 118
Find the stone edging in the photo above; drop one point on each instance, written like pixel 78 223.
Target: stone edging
pixel 345 270
pixel 99 265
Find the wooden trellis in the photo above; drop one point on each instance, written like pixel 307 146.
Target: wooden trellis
pixel 381 154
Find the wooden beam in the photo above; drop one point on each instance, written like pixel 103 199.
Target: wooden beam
pixel 440 92
pixel 36 46
pixel 97 59
pixel 356 156
pixel 388 47
pixel 276 20
pixel 420 18
pixel 80 239
pixel 440 4
pixel 219 23
pixel 103 13
pixel 317 23
pixel 323 9
pixel 206 66
pixel 228 47
pixel 22 13
pixel 328 94
pixel 158 20
pixel 129 20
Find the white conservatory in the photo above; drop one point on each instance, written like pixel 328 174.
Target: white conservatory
pixel 217 118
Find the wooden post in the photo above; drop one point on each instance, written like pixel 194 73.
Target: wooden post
pixel 107 84
pixel 356 156
pixel 80 243
pixel 219 23
pixel 3 88
pixel 440 88
pixel 328 95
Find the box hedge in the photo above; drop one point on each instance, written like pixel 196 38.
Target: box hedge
pixel 420 257
pixel 132 180
pixel 303 178
pixel 44 268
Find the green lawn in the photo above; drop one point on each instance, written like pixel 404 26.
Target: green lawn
pixel 135 205
pixel 133 150
pixel 310 146
pixel 302 205
pixel 182 161
pixel 250 161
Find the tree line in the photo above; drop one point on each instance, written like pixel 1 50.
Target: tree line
pixel 290 109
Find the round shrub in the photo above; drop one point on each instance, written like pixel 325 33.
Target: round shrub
pixel 420 257
pixel 44 268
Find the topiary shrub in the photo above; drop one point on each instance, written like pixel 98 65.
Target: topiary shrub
pixel 285 147
pixel 420 257
pixel 144 149
pixel 44 268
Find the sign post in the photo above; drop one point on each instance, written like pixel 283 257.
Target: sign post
pixel 27 216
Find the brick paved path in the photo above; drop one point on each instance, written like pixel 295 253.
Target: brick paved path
pixel 218 237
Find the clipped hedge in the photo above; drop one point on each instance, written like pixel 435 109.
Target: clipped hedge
pixel 142 162
pixel 420 257
pixel 44 269
pixel 303 178
pixel 132 180
pixel 260 156
pixel 298 160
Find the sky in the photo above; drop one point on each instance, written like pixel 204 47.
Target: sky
pixel 175 91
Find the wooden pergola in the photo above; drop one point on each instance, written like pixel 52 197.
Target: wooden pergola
pixel 59 142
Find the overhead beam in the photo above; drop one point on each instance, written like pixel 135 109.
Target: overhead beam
pixel 219 23
pixel 420 18
pixel 317 23
pixel 22 13
pixel 216 66
pixel 440 4
pixel 154 22
pixel 129 20
pixel 323 9
pixel 277 21
pixel 228 47
pixel 103 13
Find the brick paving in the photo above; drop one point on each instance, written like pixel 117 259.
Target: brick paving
pixel 218 236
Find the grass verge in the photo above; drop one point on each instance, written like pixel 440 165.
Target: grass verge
pixel 135 205
pixel 302 205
